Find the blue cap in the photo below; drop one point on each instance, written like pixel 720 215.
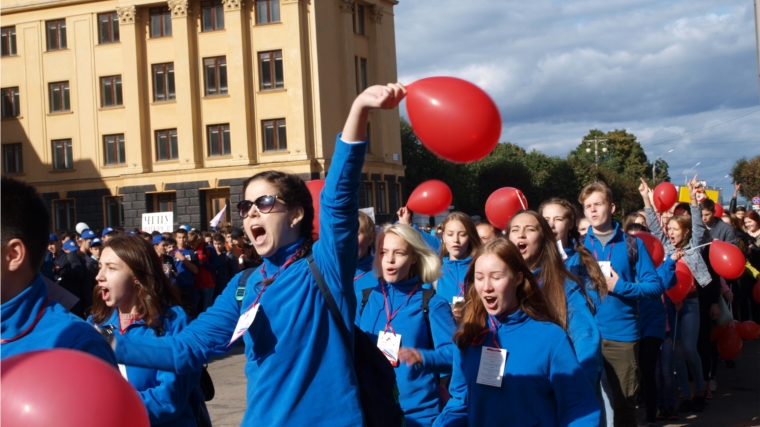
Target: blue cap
pixel 185 227
pixel 132 233
pixel 53 237
pixel 88 234
pixel 158 239
pixel 107 230
pixel 70 245
pixel 96 242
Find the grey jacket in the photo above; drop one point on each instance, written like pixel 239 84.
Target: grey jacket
pixel 723 232
pixel 693 258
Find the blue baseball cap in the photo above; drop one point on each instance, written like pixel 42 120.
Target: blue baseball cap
pixel 70 245
pixel 185 227
pixel 53 237
pixel 88 234
pixel 96 242
pixel 133 233
pixel 107 230
pixel 158 239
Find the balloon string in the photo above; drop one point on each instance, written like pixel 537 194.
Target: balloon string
pixel 697 247
pixel 520 199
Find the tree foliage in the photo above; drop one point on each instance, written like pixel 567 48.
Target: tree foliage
pixel 747 172
pixel 538 175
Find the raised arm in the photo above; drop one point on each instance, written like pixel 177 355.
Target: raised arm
pixel 732 205
pixel 698 228
pixel 653 222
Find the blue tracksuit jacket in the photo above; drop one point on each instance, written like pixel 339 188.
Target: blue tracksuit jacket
pixel 451 284
pixel 652 310
pixel 364 278
pixel 299 370
pixel 543 385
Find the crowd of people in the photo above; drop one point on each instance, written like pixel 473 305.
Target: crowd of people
pixel 561 318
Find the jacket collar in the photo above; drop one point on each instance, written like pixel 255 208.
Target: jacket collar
pixel 21 311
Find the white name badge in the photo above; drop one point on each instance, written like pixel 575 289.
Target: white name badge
pixel 561 250
pixel 244 323
pixel 606 267
pixel 123 370
pixel 457 300
pixel 389 344
pixel 491 369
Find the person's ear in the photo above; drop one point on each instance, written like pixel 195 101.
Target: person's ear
pixel 296 216
pixel 14 254
pixel 612 208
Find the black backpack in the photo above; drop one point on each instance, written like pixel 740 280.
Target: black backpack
pixel 378 392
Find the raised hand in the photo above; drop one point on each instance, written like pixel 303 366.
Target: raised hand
pixel 404 216
pixel 645 191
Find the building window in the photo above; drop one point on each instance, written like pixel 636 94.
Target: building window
pixel 369 195
pixel 166 202
pixel 11 106
pixel 114 148
pixel 13 161
pixel 59 97
pixel 400 194
pixel 215 75
pixel 160 22
pixel 110 91
pixel 163 82
pixel 219 140
pixel 359 20
pixel 62 154
pixel 212 15
pixel 114 211
pixel 166 144
pixel 361 74
pixel 382 202
pixel 8 41
pixel 270 70
pixel 275 138
pixel 267 11
pixel 108 28
pixel 56 34
pixel 65 215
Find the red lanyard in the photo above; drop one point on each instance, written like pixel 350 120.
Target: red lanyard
pixel 461 285
pixel 493 328
pixel 597 256
pixel 264 275
pixel 360 276
pixel 388 313
pixel 29 329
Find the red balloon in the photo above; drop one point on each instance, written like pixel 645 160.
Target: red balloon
pixel 315 188
pixel 716 333
pixel 502 205
pixel 654 247
pixel 685 280
pixel 453 118
pixel 430 198
pixel 665 196
pixel 727 260
pixel 756 292
pixel 67 388
pixel 730 343
pixel 718 211
pixel 748 330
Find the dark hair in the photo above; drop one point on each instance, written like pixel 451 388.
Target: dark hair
pixel 553 271
pixel 707 205
pixel 294 193
pixel 171 241
pixel 741 209
pixel 595 274
pixel 530 297
pixel 180 231
pixel 218 238
pixel 635 226
pixel 25 217
pixel 684 208
pixel 155 292
pixel 473 239
pixel 487 223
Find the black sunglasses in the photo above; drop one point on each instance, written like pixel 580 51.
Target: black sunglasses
pixel 264 204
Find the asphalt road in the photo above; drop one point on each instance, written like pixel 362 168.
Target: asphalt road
pixel 736 403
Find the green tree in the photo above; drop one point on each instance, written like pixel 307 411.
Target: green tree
pixel 747 172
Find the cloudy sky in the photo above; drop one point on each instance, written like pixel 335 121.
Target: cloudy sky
pixel 680 75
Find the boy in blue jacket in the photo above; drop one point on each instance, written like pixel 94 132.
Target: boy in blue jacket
pixel 617 313
pixel 30 319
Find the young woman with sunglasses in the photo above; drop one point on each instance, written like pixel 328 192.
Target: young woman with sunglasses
pixel 530 376
pixel 418 344
pixel 535 240
pixel 297 365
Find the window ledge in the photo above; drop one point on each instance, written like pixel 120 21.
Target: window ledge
pixel 166 162
pixel 202 31
pixel 275 152
pixel 111 107
pixel 63 170
pixel 169 101
pixel 116 166
pixel 11 56
pixel 272 90
pixel 220 157
pixel 158 38
pixel 265 24
pixel 60 113
pixel 224 95
pixel 56 50
pixel 13 118
pixel 108 44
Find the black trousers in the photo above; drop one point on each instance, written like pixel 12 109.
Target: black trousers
pixel 649 352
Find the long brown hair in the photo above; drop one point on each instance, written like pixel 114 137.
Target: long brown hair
pixel 598 282
pixel 553 271
pixel 155 292
pixel 684 223
pixel 473 239
pixel 530 298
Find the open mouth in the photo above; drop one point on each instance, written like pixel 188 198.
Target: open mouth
pixel 104 293
pixel 522 246
pixel 391 271
pixel 490 302
pixel 258 233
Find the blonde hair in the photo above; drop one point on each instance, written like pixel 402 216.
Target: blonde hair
pixel 595 187
pixel 428 265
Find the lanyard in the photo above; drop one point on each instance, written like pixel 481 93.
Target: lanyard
pixel 274 276
pixel 29 329
pixel 461 285
pixel 360 276
pixel 388 313
pixel 481 337
pixel 597 256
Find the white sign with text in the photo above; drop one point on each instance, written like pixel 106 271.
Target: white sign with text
pixel 162 222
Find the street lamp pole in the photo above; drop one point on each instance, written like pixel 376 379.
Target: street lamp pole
pixel 597 141
pixel 654 164
pixel 686 173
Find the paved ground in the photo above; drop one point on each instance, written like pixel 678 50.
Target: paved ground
pixel 736 403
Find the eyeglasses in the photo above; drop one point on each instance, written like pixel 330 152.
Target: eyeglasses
pixel 264 204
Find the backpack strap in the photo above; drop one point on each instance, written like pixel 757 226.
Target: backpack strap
pixel 365 297
pixel 329 300
pixel 632 247
pixel 240 293
pixel 427 294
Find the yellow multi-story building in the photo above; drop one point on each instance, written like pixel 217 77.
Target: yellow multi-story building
pixel 112 109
